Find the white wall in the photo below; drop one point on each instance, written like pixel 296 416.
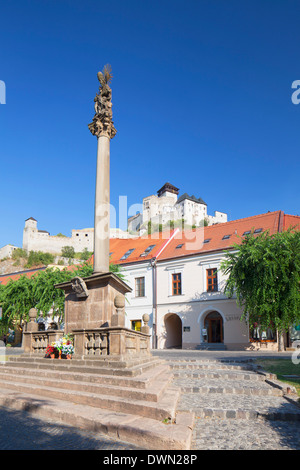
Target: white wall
pixel 195 302
pixel 135 307
pixel 7 251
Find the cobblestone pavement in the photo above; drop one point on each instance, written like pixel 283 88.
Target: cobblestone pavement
pixel 19 431
pixel 220 434
pixel 234 409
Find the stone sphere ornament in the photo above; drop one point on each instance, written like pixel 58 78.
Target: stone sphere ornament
pixel 119 301
pixel 32 314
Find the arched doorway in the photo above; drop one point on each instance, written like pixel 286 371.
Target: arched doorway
pixel 173 327
pixel 213 324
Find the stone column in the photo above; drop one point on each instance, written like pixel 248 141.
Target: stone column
pixel 102 203
pixel 102 127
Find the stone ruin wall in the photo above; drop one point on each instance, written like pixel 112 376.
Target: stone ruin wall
pixel 43 241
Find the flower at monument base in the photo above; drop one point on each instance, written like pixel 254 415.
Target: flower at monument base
pixel 68 349
pixel 50 350
pixel 57 345
pixel 64 345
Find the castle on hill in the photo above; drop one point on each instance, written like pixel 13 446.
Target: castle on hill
pixel 166 206
pixel 158 209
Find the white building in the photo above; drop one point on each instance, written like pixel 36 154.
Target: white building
pixel 166 206
pixel 182 278
pixel 7 251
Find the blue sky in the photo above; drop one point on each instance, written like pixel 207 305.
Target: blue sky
pixel 201 98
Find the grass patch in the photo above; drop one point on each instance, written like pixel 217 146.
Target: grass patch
pixel 282 367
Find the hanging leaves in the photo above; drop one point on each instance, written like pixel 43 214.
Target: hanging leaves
pixel 19 296
pixel 264 274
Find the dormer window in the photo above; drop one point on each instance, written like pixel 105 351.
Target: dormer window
pixel 127 253
pixel 226 237
pixel 147 251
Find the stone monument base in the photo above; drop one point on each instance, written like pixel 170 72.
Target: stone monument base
pixel 95 315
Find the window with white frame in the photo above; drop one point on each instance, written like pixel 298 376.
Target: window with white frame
pixel 212 280
pixel 140 287
pixel 176 284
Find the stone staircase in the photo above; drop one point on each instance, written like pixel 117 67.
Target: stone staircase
pixel 133 400
pixel 236 404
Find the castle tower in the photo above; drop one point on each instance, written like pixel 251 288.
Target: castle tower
pixel 30 227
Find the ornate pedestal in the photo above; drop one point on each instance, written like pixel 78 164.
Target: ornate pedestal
pixel 94 314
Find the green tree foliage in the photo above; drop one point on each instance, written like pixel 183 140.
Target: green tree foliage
pixel 264 273
pixel 19 253
pixel 38 258
pixel 19 296
pixel 85 254
pixel 68 252
pixel 34 258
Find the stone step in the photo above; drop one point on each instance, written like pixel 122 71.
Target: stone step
pixel 190 365
pixel 221 374
pixel 90 366
pixel 242 407
pixel 231 361
pixel 165 408
pixel 225 386
pixel 152 393
pixel 145 432
pixel 142 381
pixel 93 361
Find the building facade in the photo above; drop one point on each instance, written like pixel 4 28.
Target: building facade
pixel 189 307
pixel 7 251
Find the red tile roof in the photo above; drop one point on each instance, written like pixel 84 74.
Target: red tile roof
pixel 4 279
pixel 119 246
pixel 291 221
pixel 193 240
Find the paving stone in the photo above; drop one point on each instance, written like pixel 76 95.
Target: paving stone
pixel 231 434
pixel 234 409
pixel 20 431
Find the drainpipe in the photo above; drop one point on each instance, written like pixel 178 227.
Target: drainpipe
pixel 154 287
pixel 280 221
pixel 154 302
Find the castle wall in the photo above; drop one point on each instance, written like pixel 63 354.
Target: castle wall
pixel 35 240
pixel 41 240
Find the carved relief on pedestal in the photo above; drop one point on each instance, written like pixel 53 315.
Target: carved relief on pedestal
pixel 79 287
pixel 102 123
